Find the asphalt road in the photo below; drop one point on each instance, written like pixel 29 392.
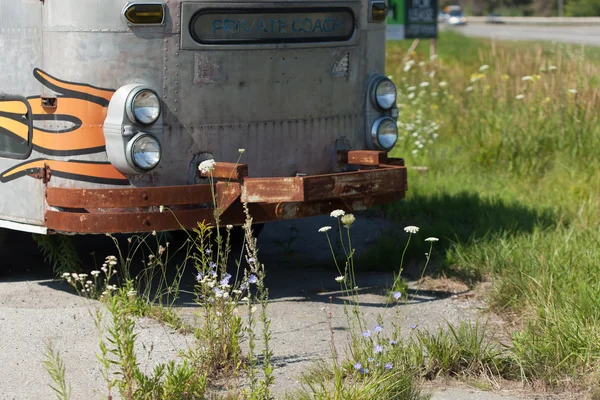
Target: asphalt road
pixel 580 34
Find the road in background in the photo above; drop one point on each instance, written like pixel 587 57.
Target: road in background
pixel 580 34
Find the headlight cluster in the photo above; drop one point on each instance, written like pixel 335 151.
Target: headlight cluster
pixel 384 132
pixel 143 108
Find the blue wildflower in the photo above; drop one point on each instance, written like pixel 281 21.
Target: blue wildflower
pixel 252 279
pixel 364 371
pixel 377 349
pixel 393 342
pixel 413 326
pixel 378 328
pixel 208 251
pixel 370 359
pixel 250 260
pixel 366 333
pixel 199 276
pixel 225 280
pixel 388 366
pixel 357 366
pixel 397 295
pixel 212 264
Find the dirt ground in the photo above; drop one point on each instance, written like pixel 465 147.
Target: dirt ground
pixel 34 310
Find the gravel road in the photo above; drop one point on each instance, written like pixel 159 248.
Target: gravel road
pixel 580 34
pixel 35 310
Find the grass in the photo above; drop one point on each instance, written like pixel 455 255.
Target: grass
pixel 506 137
pixel 510 136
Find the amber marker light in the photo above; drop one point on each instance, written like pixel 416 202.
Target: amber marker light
pixel 144 13
pixel 378 12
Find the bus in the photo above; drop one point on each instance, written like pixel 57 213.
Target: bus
pixel 108 108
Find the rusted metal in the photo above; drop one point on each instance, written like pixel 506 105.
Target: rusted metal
pixel 43 173
pixel 228 171
pixel 130 222
pixel 226 194
pixel 273 190
pixel 135 210
pixel 129 197
pixel 363 157
pixel 320 187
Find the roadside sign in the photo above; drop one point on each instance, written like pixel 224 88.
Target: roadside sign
pixel 418 18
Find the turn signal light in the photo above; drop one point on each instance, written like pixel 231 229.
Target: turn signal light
pixel 379 11
pixel 145 13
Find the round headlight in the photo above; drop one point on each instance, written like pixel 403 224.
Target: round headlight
pixel 384 133
pixel 145 152
pixel 384 94
pixel 145 107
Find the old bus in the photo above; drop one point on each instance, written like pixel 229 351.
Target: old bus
pixel 107 108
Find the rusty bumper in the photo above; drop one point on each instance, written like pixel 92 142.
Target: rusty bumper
pixel 377 181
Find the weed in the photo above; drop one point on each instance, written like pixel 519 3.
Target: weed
pixel 56 369
pixel 59 252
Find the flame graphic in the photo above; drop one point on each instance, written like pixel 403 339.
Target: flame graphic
pixel 83 108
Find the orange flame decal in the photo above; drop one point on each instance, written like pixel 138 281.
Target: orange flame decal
pixel 80 107
pixel 97 172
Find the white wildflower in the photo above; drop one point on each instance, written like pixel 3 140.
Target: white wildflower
pixel 469 89
pixel 414 152
pixel 421 63
pixel 253 309
pixel 432 239
pixel 131 293
pixel 207 166
pixel 337 213
pixel 340 279
pixel 484 68
pixel 407 67
pixel 411 229
pixel 348 219
pixel 573 91
pixel 552 68
pixel 241 151
pixel 95 273
pixel 527 78
pixel 443 84
pixel 66 275
pixel 412 88
pixel 229 226
pixel 324 229
pixel 520 97
pixel 411 96
pixel 424 84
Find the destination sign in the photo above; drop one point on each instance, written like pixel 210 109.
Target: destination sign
pixel 225 26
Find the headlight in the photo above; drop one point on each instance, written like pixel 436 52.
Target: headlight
pixel 145 107
pixel 145 151
pixel 384 133
pixel 384 94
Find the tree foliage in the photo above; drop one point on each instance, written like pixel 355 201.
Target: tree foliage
pixel 547 8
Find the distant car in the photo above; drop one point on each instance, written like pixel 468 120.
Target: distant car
pixel 455 17
pixel 441 16
pixel 494 19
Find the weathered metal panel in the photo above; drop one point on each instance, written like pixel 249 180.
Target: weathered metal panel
pixel 20 45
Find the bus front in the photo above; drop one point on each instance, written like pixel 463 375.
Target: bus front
pixel 288 98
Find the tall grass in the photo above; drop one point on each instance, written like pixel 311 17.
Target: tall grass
pixel 511 182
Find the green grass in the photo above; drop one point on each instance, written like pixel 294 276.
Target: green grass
pixel 510 187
